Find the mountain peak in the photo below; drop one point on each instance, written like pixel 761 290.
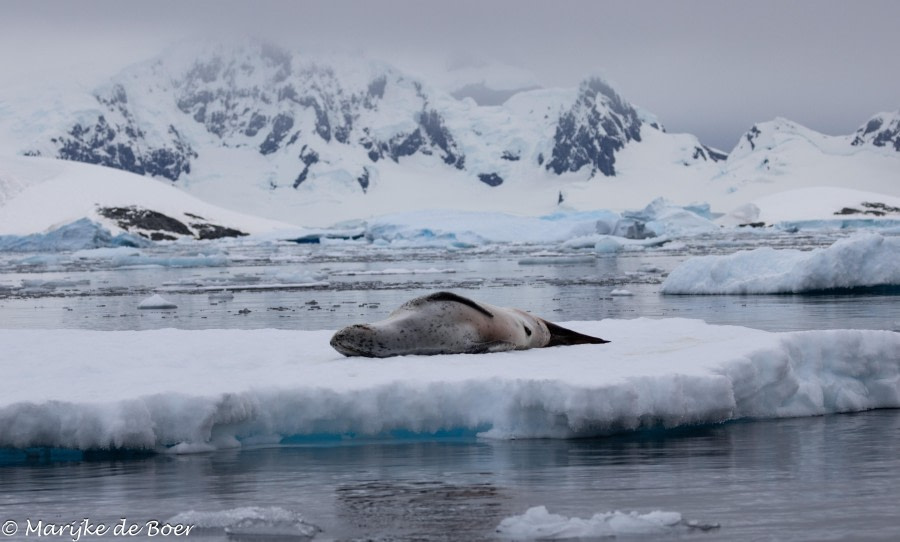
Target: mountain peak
pixel 882 130
pixel 597 125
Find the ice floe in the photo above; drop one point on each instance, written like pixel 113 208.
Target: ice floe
pixel 188 391
pixel 538 523
pixel 864 260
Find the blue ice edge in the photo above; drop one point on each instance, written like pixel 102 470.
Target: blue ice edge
pixel 46 454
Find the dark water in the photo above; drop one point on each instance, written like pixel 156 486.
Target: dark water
pixel 824 478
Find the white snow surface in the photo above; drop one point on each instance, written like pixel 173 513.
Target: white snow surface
pixel 862 260
pixel 539 523
pixel 190 391
pixel 41 194
pixel 813 206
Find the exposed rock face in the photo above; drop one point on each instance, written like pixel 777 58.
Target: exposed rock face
pixel 882 130
pixel 116 140
pixel 313 120
pixel 157 226
pixel 593 129
pixel 264 97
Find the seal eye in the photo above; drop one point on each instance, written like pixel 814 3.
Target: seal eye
pixel 527 330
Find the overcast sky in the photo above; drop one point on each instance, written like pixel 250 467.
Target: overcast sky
pixel 708 67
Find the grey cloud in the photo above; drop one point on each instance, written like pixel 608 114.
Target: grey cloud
pixel 707 67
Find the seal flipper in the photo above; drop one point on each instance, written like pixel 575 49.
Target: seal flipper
pixel 489 347
pixel 560 336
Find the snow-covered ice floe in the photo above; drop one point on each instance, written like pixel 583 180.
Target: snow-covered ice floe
pixel 864 260
pixel 539 523
pixel 190 391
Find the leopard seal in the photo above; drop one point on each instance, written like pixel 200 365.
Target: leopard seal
pixel 447 323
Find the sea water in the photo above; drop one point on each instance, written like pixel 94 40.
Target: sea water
pixel 832 477
pixel 823 478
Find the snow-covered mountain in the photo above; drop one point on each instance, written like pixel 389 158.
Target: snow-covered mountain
pixel 277 133
pixel 313 140
pixel 882 130
pixel 782 155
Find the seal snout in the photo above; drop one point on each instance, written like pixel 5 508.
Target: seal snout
pixel 355 340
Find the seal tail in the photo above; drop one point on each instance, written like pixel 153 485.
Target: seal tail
pixel 560 336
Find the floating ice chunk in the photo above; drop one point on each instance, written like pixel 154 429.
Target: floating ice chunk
pixel 53 284
pixel 295 277
pixel 539 523
pixel 861 261
pixel 255 527
pixel 252 521
pixel 557 260
pixel 106 253
pixel 223 295
pixel 662 217
pixel 156 301
pixel 621 292
pixel 607 245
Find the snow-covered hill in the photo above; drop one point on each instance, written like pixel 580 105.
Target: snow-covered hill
pixel 313 140
pixel 40 195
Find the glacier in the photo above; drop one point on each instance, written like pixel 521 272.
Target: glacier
pixel 864 260
pixel 182 391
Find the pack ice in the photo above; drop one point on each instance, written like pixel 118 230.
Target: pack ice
pixel 187 391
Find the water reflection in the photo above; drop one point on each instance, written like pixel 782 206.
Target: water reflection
pixel 810 478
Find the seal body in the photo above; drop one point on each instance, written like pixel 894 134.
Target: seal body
pixel 447 323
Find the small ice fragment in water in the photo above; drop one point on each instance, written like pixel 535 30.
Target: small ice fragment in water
pixel 295 528
pixel 622 292
pixel 224 295
pixel 157 301
pixel 252 523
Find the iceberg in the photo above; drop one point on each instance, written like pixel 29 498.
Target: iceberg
pixel 662 217
pixel 156 301
pixel 79 235
pixel 861 261
pixel 182 391
pixel 444 228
